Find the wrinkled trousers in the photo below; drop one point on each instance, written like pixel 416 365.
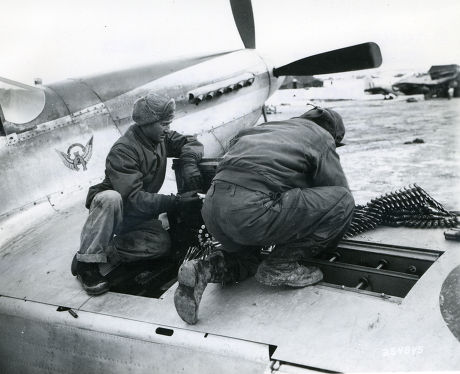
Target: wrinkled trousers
pixel 110 233
pixel 300 222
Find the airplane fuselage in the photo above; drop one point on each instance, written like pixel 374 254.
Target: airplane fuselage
pixel 211 103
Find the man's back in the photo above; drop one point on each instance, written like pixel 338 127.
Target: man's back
pixel 286 155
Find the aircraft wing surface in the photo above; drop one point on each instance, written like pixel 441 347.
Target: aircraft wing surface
pixel 323 327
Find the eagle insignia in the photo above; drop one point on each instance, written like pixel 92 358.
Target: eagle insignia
pixel 77 155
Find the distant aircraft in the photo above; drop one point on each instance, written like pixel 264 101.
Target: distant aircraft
pixel 374 88
pixel 53 143
pixel 437 82
pixel 414 85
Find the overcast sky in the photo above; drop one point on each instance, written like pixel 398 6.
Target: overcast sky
pixel 57 39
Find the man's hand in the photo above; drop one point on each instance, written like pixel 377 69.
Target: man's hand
pixel 188 202
pixel 192 176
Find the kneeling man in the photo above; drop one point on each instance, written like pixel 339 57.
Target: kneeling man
pixel 123 210
pixel 280 183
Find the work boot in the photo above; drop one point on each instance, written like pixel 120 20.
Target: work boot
pixel 73 266
pixel 193 277
pixel 287 273
pixel 90 278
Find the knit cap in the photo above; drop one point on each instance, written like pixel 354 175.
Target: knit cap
pixel 153 108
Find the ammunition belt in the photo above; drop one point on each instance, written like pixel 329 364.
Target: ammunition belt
pixel 410 206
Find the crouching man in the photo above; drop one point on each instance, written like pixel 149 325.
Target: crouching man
pixel 280 183
pixel 123 210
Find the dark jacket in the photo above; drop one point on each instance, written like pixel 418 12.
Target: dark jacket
pixel 136 167
pixel 279 156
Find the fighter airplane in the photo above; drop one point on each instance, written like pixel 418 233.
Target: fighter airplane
pixel 53 143
pixel 379 87
pixel 435 83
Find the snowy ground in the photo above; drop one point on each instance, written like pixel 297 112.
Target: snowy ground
pixel 375 159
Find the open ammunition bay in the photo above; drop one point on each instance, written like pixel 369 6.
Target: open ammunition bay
pixel 383 270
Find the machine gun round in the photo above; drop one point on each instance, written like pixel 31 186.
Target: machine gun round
pixel 206 244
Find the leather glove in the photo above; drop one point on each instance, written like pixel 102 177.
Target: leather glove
pixel 188 202
pixel 192 176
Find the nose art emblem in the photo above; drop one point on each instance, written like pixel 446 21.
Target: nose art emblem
pixel 73 158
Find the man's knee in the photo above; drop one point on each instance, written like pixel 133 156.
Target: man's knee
pixel 347 201
pixel 143 245
pixel 162 246
pixel 108 200
pixel 337 218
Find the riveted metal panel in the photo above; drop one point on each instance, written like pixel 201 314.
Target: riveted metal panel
pixel 75 94
pixel 54 108
pixel 37 339
pixel 191 118
pixel 34 163
pixel 112 84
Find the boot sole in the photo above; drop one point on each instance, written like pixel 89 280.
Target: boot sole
pixel 186 305
pixel 73 266
pixel 187 296
pixel 187 274
pixel 96 290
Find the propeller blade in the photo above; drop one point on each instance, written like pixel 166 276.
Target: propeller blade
pixel 244 20
pixel 356 57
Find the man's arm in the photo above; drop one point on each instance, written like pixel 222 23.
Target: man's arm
pixel 328 171
pixel 190 152
pixel 122 168
pixel 185 147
